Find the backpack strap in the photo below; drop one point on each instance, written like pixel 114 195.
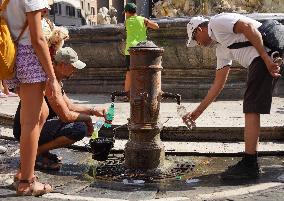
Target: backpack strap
pixel 22 32
pixel 3 6
pixel 240 45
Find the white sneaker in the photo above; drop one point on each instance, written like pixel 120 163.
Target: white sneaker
pixel 2 150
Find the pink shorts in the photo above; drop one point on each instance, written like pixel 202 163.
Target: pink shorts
pixel 28 68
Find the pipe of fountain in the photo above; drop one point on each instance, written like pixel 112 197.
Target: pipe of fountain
pixel 144 149
pixel 119 93
pixel 171 95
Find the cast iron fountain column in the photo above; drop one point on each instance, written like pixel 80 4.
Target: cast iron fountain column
pixel 144 149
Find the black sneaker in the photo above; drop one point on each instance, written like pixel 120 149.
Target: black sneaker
pixel 242 170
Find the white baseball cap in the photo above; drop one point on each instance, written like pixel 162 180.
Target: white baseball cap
pixel 69 56
pixel 193 24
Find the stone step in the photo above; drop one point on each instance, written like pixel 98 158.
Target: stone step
pixel 200 148
pixel 181 133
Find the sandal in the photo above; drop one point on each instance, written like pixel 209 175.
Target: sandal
pixel 33 189
pixel 53 157
pixel 44 163
pixel 16 182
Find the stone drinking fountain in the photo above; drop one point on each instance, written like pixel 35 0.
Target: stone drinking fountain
pixel 102 47
pixel 144 149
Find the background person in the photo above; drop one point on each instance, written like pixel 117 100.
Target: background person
pixel 136 31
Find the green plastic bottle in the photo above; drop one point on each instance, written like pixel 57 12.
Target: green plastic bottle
pixel 109 115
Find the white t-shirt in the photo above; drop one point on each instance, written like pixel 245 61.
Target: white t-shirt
pixel 15 15
pixel 220 29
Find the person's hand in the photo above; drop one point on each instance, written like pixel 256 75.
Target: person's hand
pixel 53 88
pixel 189 122
pixel 272 67
pixel 90 127
pixel 99 112
pixel 192 115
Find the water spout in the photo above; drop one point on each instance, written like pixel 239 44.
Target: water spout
pixel 171 95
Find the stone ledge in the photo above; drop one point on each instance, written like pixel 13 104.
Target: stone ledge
pixel 6 119
pixel 181 133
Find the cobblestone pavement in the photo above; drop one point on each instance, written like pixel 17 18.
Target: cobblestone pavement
pixel 74 181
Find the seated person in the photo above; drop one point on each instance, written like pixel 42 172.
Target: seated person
pixel 67 123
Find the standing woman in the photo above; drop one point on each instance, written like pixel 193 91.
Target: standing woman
pixel 33 71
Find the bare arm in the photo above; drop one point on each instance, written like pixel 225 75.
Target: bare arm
pixel 254 36
pixel 99 112
pixel 41 49
pixel 151 24
pixel 219 83
pixel 60 107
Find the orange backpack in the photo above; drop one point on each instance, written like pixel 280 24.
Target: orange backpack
pixel 7 46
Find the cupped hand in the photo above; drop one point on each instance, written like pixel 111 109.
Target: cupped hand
pixel 99 112
pixel 192 115
pixel 273 68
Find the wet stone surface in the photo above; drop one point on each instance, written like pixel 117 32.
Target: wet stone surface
pixel 113 169
pixel 74 178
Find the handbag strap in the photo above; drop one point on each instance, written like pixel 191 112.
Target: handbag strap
pixel 50 24
pixel 240 45
pixel 22 32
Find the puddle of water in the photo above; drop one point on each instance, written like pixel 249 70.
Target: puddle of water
pixel 192 181
pixel 281 178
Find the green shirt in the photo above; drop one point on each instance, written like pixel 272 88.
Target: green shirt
pixel 135 31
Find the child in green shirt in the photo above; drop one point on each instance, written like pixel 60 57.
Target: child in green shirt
pixel 136 31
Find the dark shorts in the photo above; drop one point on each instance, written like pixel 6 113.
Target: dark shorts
pixel 258 95
pixel 54 128
pixel 127 62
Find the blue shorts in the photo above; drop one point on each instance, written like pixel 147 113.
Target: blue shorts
pixel 54 128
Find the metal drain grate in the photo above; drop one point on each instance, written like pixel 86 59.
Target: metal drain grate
pixel 114 169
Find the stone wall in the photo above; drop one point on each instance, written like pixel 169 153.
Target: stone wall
pixel 188 71
pixel 178 8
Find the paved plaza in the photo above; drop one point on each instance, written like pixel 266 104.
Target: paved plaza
pixel 211 157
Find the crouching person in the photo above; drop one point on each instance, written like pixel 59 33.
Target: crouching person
pixel 67 122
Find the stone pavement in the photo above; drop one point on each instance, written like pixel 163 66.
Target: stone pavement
pixel 74 182
pixel 222 122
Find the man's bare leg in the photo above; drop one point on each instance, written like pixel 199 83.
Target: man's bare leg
pixel 252 130
pixel 127 83
pixel 248 167
pixel 59 142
